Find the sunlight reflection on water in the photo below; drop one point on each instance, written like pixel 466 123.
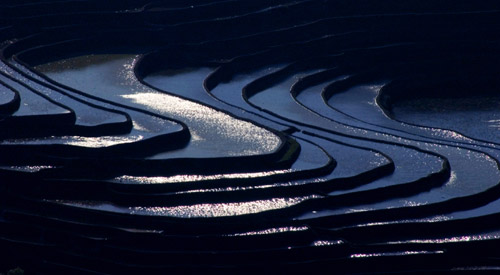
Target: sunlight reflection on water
pixel 457 239
pixel 194 211
pixel 89 142
pixel 111 76
pixel 193 178
pixel 226 126
pixel 402 253
pixel 272 231
pixel 218 209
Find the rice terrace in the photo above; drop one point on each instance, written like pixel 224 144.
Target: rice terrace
pixel 249 136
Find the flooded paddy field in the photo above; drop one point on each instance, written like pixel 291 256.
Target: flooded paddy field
pixel 229 136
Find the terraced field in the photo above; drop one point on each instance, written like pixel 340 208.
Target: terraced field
pixel 249 136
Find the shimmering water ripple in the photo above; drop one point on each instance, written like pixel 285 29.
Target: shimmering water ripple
pixel 229 136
